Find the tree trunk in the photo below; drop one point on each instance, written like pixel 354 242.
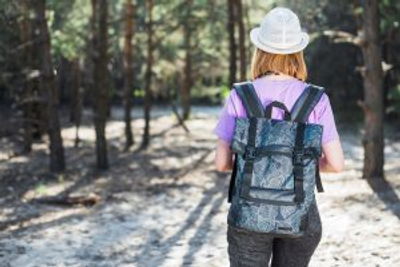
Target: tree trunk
pixel 76 97
pixel 247 25
pixel 34 106
pixel 232 42
pixel 74 89
pixel 188 79
pixel 128 71
pixel 100 59
pixel 373 93
pixel 242 44
pixel 148 75
pixel 26 58
pixel 57 161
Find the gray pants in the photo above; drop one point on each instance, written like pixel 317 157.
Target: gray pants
pixel 250 249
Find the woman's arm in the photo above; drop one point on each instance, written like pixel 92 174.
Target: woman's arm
pixel 223 156
pixel 333 159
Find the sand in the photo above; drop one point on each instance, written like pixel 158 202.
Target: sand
pixel 167 206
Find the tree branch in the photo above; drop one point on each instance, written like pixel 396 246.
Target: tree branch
pixel 345 37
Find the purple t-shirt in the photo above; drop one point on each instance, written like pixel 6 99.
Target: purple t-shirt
pixel 285 91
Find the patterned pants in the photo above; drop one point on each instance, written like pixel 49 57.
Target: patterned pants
pixel 250 249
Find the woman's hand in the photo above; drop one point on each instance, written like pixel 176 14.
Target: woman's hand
pixel 223 156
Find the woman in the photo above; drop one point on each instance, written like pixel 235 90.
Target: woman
pixel 279 72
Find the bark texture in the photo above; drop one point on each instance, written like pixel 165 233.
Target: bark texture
pixel 232 41
pixel 188 79
pixel 26 58
pixel 101 91
pixel 148 75
pixel 242 38
pixel 128 70
pixel 373 140
pixel 57 161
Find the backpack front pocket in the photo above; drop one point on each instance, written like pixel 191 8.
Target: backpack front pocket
pixel 273 172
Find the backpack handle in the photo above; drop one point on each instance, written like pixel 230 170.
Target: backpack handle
pixel 276 104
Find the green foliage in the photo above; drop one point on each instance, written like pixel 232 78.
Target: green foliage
pixel 390 10
pixel 210 94
pixel 70 35
pixel 225 91
pixel 40 188
pixel 71 30
pixel 358 11
pixel 138 93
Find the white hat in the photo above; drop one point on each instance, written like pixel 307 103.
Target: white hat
pixel 280 33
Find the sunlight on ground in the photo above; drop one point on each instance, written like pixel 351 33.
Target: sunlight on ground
pixel 166 206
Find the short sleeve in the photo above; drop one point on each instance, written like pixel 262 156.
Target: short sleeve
pixel 226 123
pixel 326 118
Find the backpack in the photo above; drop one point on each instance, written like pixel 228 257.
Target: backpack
pixel 275 164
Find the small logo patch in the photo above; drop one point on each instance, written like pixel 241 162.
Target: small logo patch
pixel 285 228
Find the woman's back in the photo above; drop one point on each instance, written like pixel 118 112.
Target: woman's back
pixel 285 91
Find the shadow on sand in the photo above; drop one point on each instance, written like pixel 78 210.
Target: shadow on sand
pixel 387 194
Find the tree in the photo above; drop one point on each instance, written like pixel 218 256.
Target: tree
pixel 148 75
pixel 373 140
pixel 232 41
pixel 368 40
pixel 57 161
pixel 128 70
pixel 187 80
pixel 101 91
pixel 26 56
pixel 76 96
pixel 242 37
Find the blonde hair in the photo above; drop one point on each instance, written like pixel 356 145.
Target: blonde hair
pixel 289 64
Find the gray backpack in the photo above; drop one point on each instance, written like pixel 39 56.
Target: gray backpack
pixel 276 165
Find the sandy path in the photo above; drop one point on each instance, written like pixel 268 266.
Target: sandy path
pixel 178 216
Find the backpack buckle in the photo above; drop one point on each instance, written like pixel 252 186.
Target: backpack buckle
pixel 250 153
pixel 298 157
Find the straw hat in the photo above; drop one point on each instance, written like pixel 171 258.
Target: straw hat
pixel 280 33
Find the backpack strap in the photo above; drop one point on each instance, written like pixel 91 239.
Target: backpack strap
pixel 249 98
pixel 306 103
pixel 254 109
pixel 233 179
pixel 300 113
pixel 298 167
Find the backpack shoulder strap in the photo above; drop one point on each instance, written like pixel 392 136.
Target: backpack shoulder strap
pixel 306 102
pixel 249 98
pixel 300 112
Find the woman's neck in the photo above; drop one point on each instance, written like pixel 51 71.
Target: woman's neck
pixel 277 76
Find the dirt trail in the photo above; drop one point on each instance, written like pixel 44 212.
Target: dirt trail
pixel 167 206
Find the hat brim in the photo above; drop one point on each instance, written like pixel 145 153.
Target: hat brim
pixel 305 39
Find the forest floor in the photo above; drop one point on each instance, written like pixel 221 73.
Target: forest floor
pixel 166 206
